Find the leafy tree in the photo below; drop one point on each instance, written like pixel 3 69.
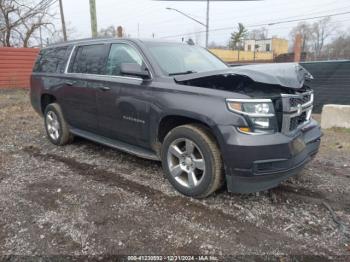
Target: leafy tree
pixel 237 36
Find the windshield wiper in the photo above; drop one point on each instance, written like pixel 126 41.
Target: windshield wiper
pixel 183 73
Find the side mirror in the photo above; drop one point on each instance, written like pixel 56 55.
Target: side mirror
pixel 134 69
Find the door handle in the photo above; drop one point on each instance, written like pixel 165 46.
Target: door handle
pixel 105 88
pixel 69 83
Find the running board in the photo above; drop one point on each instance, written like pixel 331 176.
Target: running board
pixel 131 149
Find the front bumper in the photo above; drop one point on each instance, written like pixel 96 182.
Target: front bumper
pixel 258 162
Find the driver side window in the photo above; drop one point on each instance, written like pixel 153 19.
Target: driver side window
pixel 121 53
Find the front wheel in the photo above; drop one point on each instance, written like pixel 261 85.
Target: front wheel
pixel 192 161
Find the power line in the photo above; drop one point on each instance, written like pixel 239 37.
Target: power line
pixel 318 12
pixel 271 10
pixel 303 19
pixel 258 25
pixel 161 23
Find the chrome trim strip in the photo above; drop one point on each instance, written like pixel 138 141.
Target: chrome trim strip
pixel 287 118
pixel 69 59
pixel 297 95
pixel 83 75
pixel 286 101
pixel 291 112
pixel 113 76
pixel 302 111
pixel 247 100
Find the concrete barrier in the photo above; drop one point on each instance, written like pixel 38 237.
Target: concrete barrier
pixel 335 116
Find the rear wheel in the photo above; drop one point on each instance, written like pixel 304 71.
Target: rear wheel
pixel 56 127
pixel 192 161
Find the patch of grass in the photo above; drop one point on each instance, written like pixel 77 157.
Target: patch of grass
pixel 340 129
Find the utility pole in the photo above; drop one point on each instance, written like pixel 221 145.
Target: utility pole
pixel 207 27
pixel 93 18
pixel 63 22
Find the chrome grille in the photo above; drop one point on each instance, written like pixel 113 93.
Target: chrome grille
pixel 294 101
pixel 297 110
pixel 297 120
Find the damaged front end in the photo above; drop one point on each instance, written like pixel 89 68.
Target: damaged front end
pixel 278 98
pixel 279 137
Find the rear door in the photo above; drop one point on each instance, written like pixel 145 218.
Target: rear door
pixel 47 72
pixel 80 85
pixel 123 105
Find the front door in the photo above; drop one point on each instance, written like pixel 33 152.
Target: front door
pixel 123 106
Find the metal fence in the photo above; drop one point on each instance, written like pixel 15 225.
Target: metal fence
pixel 331 82
pixel 16 66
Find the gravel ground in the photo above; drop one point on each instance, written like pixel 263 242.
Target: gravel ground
pixel 87 199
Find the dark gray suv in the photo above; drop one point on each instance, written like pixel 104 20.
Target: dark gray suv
pixel 248 127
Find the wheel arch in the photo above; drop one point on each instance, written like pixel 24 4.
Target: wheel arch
pixel 45 100
pixel 169 122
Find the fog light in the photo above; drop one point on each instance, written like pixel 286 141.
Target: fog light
pixel 244 129
pixel 261 122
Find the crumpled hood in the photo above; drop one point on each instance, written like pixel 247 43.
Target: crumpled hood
pixel 291 75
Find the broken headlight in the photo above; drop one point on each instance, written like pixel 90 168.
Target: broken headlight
pixel 259 113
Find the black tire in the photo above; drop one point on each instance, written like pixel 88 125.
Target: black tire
pixel 64 136
pixel 212 177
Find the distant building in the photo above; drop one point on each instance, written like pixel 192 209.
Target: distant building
pixel 256 51
pixel 275 45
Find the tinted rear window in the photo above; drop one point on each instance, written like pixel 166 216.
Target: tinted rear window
pixel 89 59
pixel 51 60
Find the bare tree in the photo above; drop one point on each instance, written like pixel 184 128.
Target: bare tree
pixel 56 36
pixel 110 31
pixel 258 34
pixel 2 25
pixel 338 48
pixel 314 36
pixel 21 20
pixel 305 30
pixel 321 31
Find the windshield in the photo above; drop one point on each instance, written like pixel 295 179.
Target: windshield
pixel 176 58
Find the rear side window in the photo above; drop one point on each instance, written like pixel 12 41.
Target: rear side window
pixel 51 60
pixel 63 54
pixel 89 59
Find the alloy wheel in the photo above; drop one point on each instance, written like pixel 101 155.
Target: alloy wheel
pixel 186 162
pixel 53 125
